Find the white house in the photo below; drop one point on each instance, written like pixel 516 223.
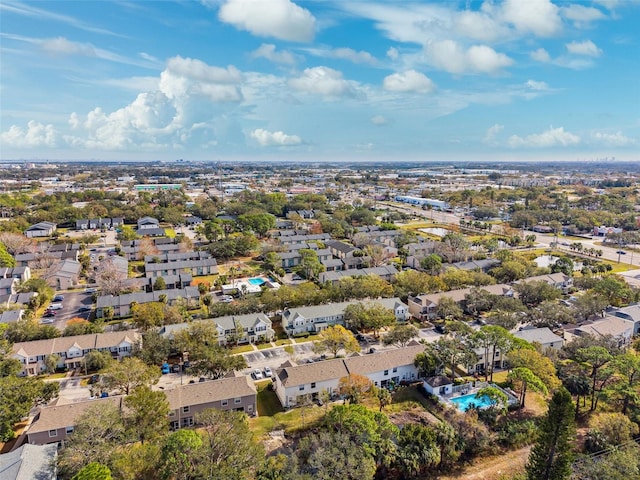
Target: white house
pixel 41 229
pixel 383 369
pixel 71 350
pixel 318 317
pixel 545 337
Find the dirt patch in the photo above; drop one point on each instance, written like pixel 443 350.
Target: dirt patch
pixel 493 468
pixel 415 415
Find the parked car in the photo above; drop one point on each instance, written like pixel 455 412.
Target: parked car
pixel 49 313
pixel 165 368
pixel 175 368
pixel 58 298
pixel 267 372
pixel 85 308
pixel 257 374
pixel 47 320
pixel 90 290
pixel 440 329
pixel 55 306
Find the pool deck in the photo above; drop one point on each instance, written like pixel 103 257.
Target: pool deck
pixel 472 388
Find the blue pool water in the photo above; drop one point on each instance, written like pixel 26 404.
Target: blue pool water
pixel 465 401
pixel 256 281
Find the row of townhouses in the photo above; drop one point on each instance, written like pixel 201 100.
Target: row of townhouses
pixel 121 304
pixel 53 424
pixel 318 317
pixel 295 382
pixel 71 351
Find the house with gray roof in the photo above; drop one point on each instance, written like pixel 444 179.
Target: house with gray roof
pixel 235 392
pixel 254 328
pixel 121 304
pixel 386 272
pixel 150 227
pixel 199 267
pixel 630 314
pixel 21 273
pixel 544 336
pixel 610 326
pixel 318 317
pixel 71 350
pixel 389 367
pixel 11 316
pixel 29 462
pixel 53 424
pixel 423 307
pixel 65 275
pixel 41 229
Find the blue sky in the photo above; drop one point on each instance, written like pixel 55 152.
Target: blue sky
pixel 320 80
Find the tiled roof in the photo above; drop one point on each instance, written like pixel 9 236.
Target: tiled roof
pixel 210 391
pixel 61 416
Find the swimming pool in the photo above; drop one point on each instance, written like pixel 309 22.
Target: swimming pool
pixel 256 281
pixel 464 402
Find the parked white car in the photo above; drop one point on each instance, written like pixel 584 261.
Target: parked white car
pixel 256 374
pixel 55 306
pixel 267 372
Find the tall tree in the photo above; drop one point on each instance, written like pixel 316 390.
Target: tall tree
pixel 597 358
pixel 400 335
pixel 368 316
pixel 229 450
pixel 552 455
pixel 208 358
pixel 147 415
pixel 526 380
pixel 334 339
pixel 128 374
pixel 99 431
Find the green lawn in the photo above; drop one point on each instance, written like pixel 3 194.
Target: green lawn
pixel 285 341
pixel 288 421
pixel 241 349
pixel 268 403
pixel 170 232
pixel 264 346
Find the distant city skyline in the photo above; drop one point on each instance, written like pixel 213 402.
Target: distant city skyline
pixel 341 80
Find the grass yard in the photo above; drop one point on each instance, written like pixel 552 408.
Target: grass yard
pixel 288 421
pixel 170 232
pixel 284 341
pixel 241 349
pixel 268 403
pixel 264 346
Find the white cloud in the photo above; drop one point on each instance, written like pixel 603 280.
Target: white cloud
pixel 450 56
pixel 323 81
pixel 612 139
pixel 549 138
pixel 540 17
pixel 580 15
pixel 393 53
pixel 540 55
pixel 266 138
pixel 185 77
pixel 587 48
pixel 534 85
pixel 345 54
pixel 409 81
pixel 281 19
pixel 35 135
pixel 492 133
pixel 62 46
pixel 479 26
pixel 379 120
pixel 268 51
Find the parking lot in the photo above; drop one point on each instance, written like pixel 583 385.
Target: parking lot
pixel 72 306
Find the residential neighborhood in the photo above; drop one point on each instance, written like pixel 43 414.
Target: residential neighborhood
pixel 263 308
